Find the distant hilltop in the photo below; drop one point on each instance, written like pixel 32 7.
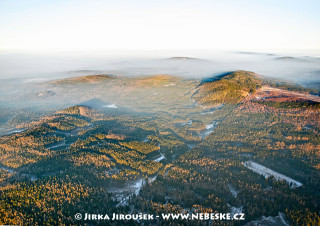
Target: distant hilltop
pixel 287 58
pixel 182 58
pixel 290 58
pixel 83 79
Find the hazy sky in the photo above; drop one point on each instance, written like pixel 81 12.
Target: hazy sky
pixel 42 25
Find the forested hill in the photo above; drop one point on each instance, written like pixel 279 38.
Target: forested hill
pixel 83 79
pixel 228 88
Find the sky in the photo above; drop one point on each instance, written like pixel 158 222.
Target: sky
pixel 72 25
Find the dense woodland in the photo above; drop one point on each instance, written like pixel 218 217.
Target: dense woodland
pixel 85 159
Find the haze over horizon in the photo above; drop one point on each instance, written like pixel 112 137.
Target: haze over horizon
pixel 46 26
pixel 48 39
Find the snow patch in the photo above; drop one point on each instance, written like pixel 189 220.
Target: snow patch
pixel 235 210
pixel 189 123
pixel 7 169
pixel 233 191
pixel 62 143
pixel 137 187
pixel 212 110
pixel 277 220
pixel 110 106
pixel 266 172
pixel 209 129
pixel 160 158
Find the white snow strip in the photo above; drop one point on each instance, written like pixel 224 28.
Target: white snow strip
pixel 6 168
pixel 137 186
pixel 110 106
pixel 233 191
pixel 266 172
pixel 160 158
